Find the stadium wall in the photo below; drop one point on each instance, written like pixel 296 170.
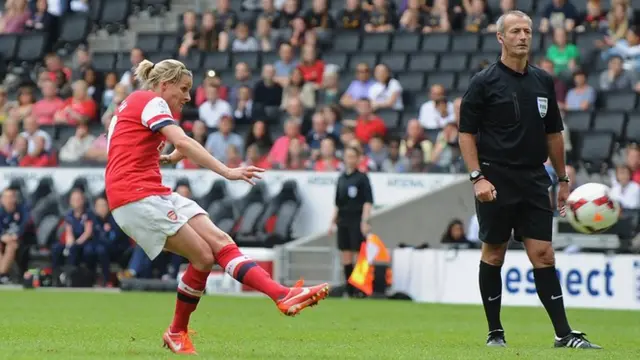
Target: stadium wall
pixel 450 277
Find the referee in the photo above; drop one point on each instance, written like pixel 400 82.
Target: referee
pixel 509 125
pixel 352 211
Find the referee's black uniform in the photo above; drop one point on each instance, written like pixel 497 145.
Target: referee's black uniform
pixel 511 114
pixel 352 192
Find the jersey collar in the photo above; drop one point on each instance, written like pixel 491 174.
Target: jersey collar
pixel 510 71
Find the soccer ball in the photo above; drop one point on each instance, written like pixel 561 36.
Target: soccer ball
pixel 590 208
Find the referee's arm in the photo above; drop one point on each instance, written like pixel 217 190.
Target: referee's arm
pixel 368 200
pixel 470 118
pixel 553 127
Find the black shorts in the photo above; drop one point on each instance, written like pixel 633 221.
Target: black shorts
pixel 523 205
pixel 350 236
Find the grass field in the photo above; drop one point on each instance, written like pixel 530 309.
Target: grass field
pixel 89 325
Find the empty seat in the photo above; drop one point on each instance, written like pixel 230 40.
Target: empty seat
pixel 596 150
pixel 411 81
pixel 632 132
pixel 169 43
pixel 610 121
pixel 149 42
pixel 370 59
pixel 74 30
pixel 463 81
pixel 95 10
pixel 217 61
pixel 447 80
pixel 395 61
pixel 578 120
pixel 156 57
pixel 8 47
pixel 156 7
pixel 453 62
pixel 619 100
pixel 490 43
pixel 477 59
pixel 376 42
pixel 339 59
pixel 467 42
pixel 390 117
pixel 32 47
pixel 346 41
pixel 422 62
pixel 269 57
pixel 276 224
pixel 115 14
pixel 252 59
pixel 103 62
pixel 406 42
pixel 436 43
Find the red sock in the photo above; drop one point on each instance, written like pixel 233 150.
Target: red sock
pixel 246 271
pixel 190 289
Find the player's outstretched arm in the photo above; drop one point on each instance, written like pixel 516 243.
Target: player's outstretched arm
pixel 192 149
pixel 173 158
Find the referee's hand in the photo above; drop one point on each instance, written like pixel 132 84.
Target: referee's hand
pixel 484 190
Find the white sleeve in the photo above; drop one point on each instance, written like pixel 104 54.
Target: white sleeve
pixel 156 114
pixel 394 86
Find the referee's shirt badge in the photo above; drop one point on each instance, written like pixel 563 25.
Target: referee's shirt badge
pixel 543 104
pixel 352 191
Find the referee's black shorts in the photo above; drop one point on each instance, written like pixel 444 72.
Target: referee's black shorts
pixel 349 235
pixel 522 205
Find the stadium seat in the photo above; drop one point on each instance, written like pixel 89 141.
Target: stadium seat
pixel 446 79
pixel 624 101
pixel 463 81
pixel 8 47
pixel 32 47
pixel 269 57
pixel 275 226
pixel 422 62
pixel 149 42
pixel 218 192
pixel 436 43
pixel 369 58
pixel 411 81
pixel 115 14
pixel 490 43
pixel 169 43
pixel 595 150
pixel 578 121
pixel 156 7
pixel 453 62
pixel 252 59
pixel 395 61
pixel 476 59
pixel 73 31
pixel 406 43
pixel 632 132
pixel 46 230
pixel 390 117
pixel 250 208
pixel 376 42
pixel 466 42
pixel 346 41
pixel 339 59
pixel 104 62
pixel 610 121
pixel 95 10
pixel 216 61
pixel 156 57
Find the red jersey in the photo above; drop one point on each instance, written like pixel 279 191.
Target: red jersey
pixel 134 145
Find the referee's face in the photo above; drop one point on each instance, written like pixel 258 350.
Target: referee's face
pixel 516 38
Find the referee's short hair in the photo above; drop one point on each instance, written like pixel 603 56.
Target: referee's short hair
pixel 518 13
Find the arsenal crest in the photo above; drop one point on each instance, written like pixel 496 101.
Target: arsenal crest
pixel 172 215
pixel 543 105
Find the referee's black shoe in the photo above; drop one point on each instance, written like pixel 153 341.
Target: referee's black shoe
pixel 576 340
pixel 496 339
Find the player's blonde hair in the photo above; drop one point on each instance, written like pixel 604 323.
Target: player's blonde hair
pixel 150 74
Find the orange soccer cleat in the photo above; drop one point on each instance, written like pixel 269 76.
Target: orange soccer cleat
pixel 179 343
pixel 300 297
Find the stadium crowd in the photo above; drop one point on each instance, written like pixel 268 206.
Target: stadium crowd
pixel 303 106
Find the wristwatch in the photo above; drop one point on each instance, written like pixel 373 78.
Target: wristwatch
pixel 475 175
pixel 563 178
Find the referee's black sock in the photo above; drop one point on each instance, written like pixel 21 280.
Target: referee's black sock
pixel 491 291
pixel 348 269
pixel 550 293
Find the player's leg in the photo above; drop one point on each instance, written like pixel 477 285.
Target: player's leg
pixel 290 301
pixel 495 230
pixel 346 253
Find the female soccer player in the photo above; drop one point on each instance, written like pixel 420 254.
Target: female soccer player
pixel 157 218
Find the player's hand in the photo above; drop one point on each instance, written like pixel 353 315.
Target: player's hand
pixel 563 194
pixel 247 174
pixel 485 191
pixel 168 160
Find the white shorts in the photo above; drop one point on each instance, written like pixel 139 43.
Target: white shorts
pixel 151 220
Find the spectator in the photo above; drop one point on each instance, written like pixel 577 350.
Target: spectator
pixel 14 19
pixel 368 124
pixel 266 37
pixel 446 152
pixel 437 20
pixel 243 113
pixel 97 151
pixel 347 136
pixel 136 56
pixel 377 151
pixel 219 141
pixel 559 14
pixel 633 161
pixel 26 99
pixel 5 105
pixel 381 18
pixel 299 30
pixel 432 119
pixel 298 88
pixel 82 62
pixel 209 39
pixel 189 36
pixel 78 233
pixel 77 146
pixel 415 140
pixel 10 133
pixel 33 145
pixel 358 88
pixel 565 57
pixel 416 161
pixel 243 42
pixel 365 163
pixel 94 85
pixel 212 111
pixel 243 78
pixel 333 117
pixel 394 163
pixel 318 133
pixel 233 157
pixel 455 235
pixel 582 96
pixel 109 241
pixel 286 16
pixel 260 137
pixel 54 67
pixel 210 79
pixel 227 18
pixel 476 19
pixel 628 49
pixel 80 108
pixel 615 78
pixel 386 93
pixel 295 157
pixel 267 92
pixel 352 17
pixel 285 64
pixel 110 82
pixel 559 85
pixel 278 154
pixel 40 20
pixel 199 132
pixel 618 21
pixel 311 67
pixel 595 19
pixel 45 109
pixel 268 12
pixel 625 191
pixel 327 160
pixel 13 222
pixel 119 94
pixel 505 6
pixel 412 18
pixel 319 20
pixel 256 158
pixel 329 93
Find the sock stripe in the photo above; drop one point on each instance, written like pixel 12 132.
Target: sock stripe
pixel 187 299
pixel 233 263
pixel 244 269
pixel 188 290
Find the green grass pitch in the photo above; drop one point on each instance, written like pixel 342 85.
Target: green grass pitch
pixel 91 325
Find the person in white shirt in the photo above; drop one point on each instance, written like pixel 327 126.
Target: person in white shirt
pixel 473 231
pixel 136 56
pixel 624 190
pixel 386 93
pixel 38 142
pixel 77 146
pixel 430 118
pixel 243 42
pixel 212 110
